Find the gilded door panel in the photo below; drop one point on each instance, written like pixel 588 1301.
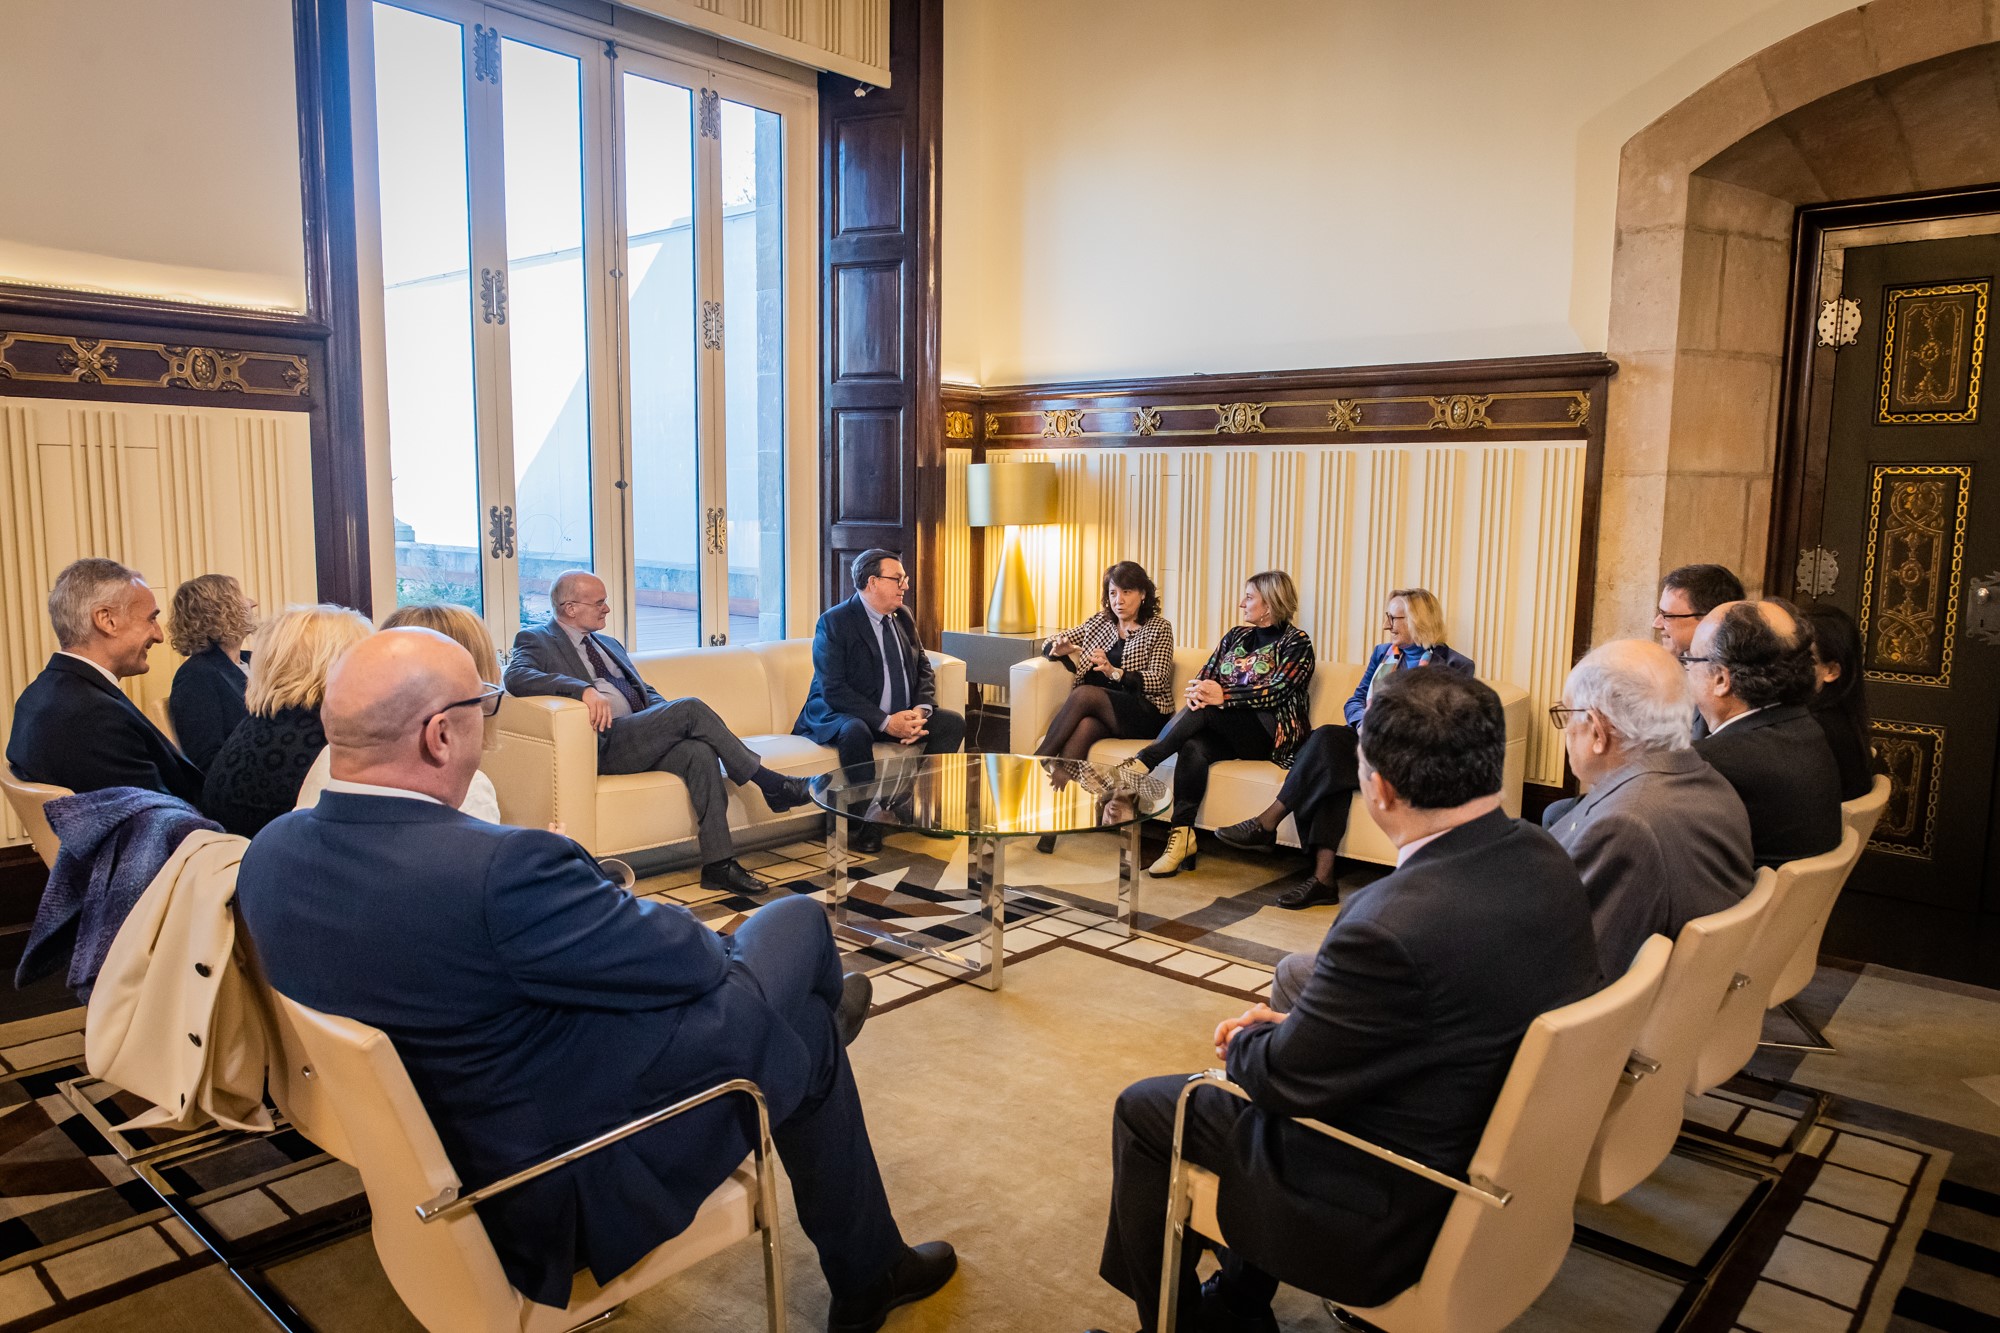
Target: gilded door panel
pixel 1910 581
pixel 1933 349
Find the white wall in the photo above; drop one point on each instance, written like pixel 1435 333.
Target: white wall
pixel 152 148
pixel 1173 186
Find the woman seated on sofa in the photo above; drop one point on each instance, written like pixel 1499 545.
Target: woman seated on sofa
pixel 210 619
pixel 1321 786
pixel 468 632
pixel 1247 702
pixel 257 773
pixel 1123 660
pixel 1840 701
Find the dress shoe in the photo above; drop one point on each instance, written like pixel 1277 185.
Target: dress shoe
pixel 1248 835
pixel 787 793
pixel 863 837
pixel 857 992
pixel 1179 856
pixel 1308 892
pixel 1218 1317
pixel 1046 843
pixel 731 877
pixel 921 1271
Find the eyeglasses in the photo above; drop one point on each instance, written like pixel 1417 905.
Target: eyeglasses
pixel 599 605
pixel 900 580
pixel 1388 619
pixel 1677 615
pixel 1560 717
pixel 488 700
pixel 1690 661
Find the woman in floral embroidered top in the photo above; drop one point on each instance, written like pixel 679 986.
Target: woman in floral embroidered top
pixel 1247 702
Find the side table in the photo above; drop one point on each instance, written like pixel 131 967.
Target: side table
pixel 988 657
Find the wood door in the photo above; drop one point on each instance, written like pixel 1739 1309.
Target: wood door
pixel 1912 519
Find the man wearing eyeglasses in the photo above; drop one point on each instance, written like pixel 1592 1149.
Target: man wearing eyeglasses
pixel 536 1005
pixel 872 680
pixel 1659 837
pixel 639 731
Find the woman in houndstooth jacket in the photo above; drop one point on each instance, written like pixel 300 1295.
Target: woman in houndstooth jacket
pixel 1123 657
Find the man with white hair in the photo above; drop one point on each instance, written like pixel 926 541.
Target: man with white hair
pixel 537 1005
pixel 73 726
pixel 1660 837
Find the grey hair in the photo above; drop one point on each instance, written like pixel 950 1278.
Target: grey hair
pixel 564 588
pixel 1639 690
pixel 82 587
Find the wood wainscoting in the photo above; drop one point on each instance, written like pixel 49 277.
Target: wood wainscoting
pixel 1478 480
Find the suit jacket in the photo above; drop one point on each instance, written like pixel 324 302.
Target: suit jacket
pixel 257 774
pixel 207 703
pixel 535 1005
pixel 1779 763
pixel 1659 842
pixel 74 728
pixel 1403 1035
pixel 544 661
pixel 1357 703
pixel 847 671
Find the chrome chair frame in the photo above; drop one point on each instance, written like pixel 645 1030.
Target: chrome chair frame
pixel 451 1203
pixel 1180 1203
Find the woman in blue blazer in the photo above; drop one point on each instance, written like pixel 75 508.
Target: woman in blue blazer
pixel 1320 787
pixel 211 618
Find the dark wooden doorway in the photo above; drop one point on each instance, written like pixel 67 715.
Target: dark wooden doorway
pixel 1889 508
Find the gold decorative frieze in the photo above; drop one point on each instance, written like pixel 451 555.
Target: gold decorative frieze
pixel 1239 419
pixel 1913 755
pixel 1063 422
pixel 121 363
pixel 1933 349
pixel 957 425
pixel 1539 410
pixel 1913 557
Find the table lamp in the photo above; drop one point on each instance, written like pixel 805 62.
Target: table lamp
pixel 1009 495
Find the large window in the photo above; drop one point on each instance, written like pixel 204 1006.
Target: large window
pixel 587 322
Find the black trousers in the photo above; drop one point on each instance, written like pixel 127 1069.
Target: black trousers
pixel 1142 1142
pixel 1204 736
pixel 855 743
pixel 789 953
pixel 1319 791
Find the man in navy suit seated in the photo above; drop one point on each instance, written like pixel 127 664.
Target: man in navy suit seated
pixel 73 726
pixel 872 680
pixel 536 1005
pixel 638 730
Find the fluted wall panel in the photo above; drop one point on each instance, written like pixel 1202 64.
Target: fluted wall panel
pixel 1493 529
pixel 173 492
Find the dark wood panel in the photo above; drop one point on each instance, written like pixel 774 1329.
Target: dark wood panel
pixel 868 185
pixel 866 345
pixel 868 458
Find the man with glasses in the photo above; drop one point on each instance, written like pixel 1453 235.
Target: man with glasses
pixel 872 680
pixel 1659 837
pixel 638 731
pixel 1751 668
pixel 536 1005
pixel 1686 595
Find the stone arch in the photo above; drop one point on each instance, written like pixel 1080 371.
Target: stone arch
pixel 1897 96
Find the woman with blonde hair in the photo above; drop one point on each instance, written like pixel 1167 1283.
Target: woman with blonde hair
pixel 209 620
pixel 257 773
pixel 1247 702
pixel 1321 785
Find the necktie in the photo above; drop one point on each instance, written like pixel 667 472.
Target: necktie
pixel 892 658
pixel 603 668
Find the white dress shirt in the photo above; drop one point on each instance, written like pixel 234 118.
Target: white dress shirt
pixel 97 666
pixel 1718 730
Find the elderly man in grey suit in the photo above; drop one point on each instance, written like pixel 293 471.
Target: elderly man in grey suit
pixel 1660 837
pixel 637 729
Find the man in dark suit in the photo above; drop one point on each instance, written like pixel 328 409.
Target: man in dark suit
pixel 536 1005
pixel 1687 593
pixel 871 679
pixel 73 726
pixel 639 731
pixel 1660 838
pixel 1403 1035
pixel 1751 667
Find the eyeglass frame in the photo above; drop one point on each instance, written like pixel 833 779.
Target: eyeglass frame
pixel 1561 723
pixel 1678 615
pixel 493 692
pixel 900 580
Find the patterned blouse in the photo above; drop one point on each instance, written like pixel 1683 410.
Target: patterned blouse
pixel 1274 679
pixel 1148 661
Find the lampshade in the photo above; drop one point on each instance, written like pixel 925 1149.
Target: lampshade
pixel 999 495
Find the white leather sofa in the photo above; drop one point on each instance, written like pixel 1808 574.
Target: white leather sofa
pixel 1240 788
pixel 546 765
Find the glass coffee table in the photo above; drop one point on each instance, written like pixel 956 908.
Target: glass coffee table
pixel 989 800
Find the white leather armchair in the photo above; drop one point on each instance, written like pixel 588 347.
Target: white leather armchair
pixel 546 765
pixel 1241 788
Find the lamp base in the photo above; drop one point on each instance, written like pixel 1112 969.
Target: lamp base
pixel 1012 608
